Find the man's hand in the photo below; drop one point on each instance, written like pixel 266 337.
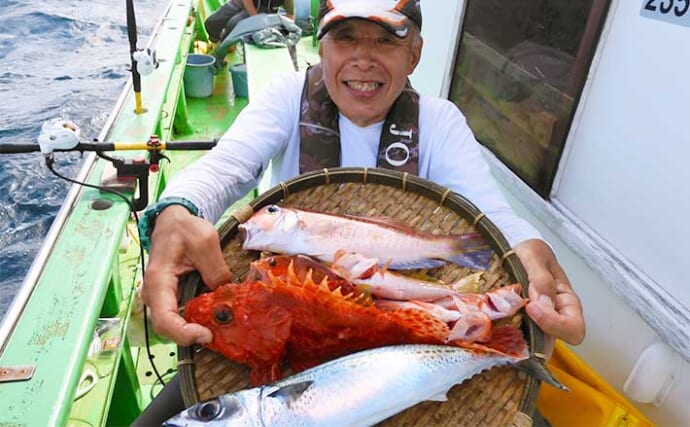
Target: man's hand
pixel 180 243
pixel 554 306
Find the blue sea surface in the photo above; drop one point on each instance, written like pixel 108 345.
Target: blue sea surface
pixel 67 59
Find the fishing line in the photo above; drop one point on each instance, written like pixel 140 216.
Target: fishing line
pixel 49 163
pixel 152 390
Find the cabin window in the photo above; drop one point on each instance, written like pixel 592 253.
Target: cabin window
pixel 519 72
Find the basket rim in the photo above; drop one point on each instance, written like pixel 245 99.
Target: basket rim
pixel 445 197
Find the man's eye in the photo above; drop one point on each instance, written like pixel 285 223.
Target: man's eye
pixel 344 38
pixel 385 41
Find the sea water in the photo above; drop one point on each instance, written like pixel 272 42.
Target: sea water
pixel 58 58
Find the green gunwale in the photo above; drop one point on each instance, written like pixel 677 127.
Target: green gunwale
pixel 94 268
pixel 56 328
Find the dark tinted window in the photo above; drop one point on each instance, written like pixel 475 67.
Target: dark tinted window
pixel 520 68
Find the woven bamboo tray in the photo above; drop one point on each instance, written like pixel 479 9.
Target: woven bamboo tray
pixel 499 397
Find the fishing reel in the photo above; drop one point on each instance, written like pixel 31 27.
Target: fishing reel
pixel 63 135
pixel 58 134
pixel 146 61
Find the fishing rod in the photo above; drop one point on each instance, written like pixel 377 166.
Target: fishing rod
pixel 132 36
pixel 143 60
pixel 101 147
pixel 59 135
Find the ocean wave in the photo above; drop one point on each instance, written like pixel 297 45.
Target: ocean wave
pixel 67 59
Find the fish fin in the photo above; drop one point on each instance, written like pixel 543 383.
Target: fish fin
pixel 323 285
pixel 535 367
pixel 309 277
pixel 385 267
pixel 422 324
pixel 351 265
pixel 338 254
pixel 415 264
pixel 292 275
pixel 291 392
pixel 469 283
pixel 272 279
pixel 479 259
pixel 470 241
pixel 364 298
pixel 473 325
pixel 503 302
pixel 506 340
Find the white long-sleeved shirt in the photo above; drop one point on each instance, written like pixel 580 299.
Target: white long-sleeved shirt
pixel 268 128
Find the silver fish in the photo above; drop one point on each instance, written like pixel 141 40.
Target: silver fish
pixel 360 389
pixel 295 231
pixel 383 283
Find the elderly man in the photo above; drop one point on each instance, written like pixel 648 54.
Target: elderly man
pixel 341 112
pixel 360 90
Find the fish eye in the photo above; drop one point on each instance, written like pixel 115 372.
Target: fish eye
pixel 222 314
pixel 273 209
pixel 272 262
pixel 208 411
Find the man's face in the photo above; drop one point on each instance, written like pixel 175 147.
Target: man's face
pixel 365 68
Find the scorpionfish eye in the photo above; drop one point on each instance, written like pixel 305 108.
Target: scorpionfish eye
pixel 222 314
pixel 273 209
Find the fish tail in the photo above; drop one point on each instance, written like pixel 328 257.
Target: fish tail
pixel 475 259
pixel 471 250
pixel 535 367
pixel 472 241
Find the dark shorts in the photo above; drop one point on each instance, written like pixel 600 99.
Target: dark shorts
pixel 223 20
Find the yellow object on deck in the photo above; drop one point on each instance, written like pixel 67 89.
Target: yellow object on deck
pixel 591 400
pixel 203 47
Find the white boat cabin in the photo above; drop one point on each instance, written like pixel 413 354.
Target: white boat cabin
pixel 582 107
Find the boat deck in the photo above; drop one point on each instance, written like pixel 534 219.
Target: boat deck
pixel 77 294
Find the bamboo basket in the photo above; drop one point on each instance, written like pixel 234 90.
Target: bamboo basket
pixel 498 397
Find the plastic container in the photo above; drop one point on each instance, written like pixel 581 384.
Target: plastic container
pixel 239 80
pixel 302 9
pixel 198 75
pixel 591 400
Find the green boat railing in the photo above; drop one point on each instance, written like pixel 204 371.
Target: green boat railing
pixel 85 272
pixel 88 268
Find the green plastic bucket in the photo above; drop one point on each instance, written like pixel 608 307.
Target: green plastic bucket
pixel 198 75
pixel 239 80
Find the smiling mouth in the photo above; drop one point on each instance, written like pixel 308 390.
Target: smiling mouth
pixel 363 86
